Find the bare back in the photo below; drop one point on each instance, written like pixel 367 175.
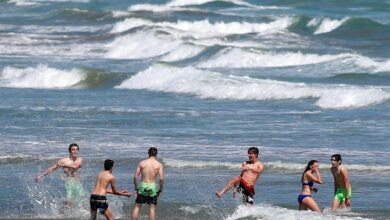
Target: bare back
pixel 102 181
pixel 150 169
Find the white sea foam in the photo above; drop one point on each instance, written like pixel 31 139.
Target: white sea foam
pixel 143 44
pixel 182 52
pixel 41 76
pixel 274 165
pixel 206 29
pixel 253 58
pixel 267 211
pixel 206 84
pixel 325 25
pixel 182 5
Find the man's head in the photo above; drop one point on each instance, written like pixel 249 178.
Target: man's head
pixel 108 164
pixel 152 152
pixel 253 152
pixel 336 159
pixel 73 149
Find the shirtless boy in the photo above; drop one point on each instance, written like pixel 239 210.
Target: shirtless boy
pixel 98 198
pixel 342 186
pixel 72 169
pixel 250 172
pixel 147 192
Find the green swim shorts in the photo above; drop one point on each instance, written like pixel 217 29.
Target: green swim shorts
pixel 341 194
pixel 147 189
pixel 74 190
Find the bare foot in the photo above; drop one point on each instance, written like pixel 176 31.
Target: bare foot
pixel 218 194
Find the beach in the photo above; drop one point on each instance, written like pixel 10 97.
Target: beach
pixel 201 80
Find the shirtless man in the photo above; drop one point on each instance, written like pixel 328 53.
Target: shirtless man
pixel 342 186
pixel 98 198
pixel 250 172
pixel 147 192
pixel 72 168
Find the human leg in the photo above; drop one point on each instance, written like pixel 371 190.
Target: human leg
pixel 235 181
pixel 311 204
pixel 108 214
pixel 136 209
pixel 152 212
pixel 93 214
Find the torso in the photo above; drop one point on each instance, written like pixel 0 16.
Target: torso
pixel 251 177
pixel 149 170
pixel 306 188
pixel 102 182
pixel 338 178
pixel 71 173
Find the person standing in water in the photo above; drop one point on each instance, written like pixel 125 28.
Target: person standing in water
pixel 309 176
pixel 147 192
pixel 98 200
pixel 342 186
pixel 72 168
pixel 250 172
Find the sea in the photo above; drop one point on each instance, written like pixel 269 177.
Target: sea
pixel 202 81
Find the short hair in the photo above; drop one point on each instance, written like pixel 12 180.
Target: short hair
pixel 73 145
pixel 337 157
pixel 254 150
pixel 108 164
pixel 152 152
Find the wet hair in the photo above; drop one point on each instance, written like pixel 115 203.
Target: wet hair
pixel 254 150
pixel 73 145
pixel 152 152
pixel 108 164
pixel 337 157
pixel 308 167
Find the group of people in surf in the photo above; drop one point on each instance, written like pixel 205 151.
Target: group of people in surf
pixel 147 191
pixel 252 169
pixel 150 169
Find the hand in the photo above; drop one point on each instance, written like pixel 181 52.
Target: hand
pixel 314 190
pixel 348 202
pixel 159 193
pixel 38 178
pixel 126 193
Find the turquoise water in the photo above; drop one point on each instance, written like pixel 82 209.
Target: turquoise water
pixel 201 80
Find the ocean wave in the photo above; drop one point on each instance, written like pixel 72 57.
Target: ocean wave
pixel 325 25
pixel 268 211
pixel 206 84
pixel 41 76
pixel 183 5
pixel 23 158
pixel 182 52
pixel 206 29
pixel 143 44
pixel 251 58
pixel 273 165
pixel 44 77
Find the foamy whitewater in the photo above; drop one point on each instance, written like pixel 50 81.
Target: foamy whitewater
pixel 202 80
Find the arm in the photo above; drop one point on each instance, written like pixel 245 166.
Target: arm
pixel 344 174
pixel 115 189
pixel 161 174
pixel 75 166
pixel 316 178
pixel 256 169
pixel 49 170
pixel 135 178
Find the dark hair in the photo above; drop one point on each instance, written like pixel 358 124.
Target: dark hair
pixel 254 150
pixel 73 145
pixel 308 167
pixel 337 157
pixel 152 152
pixel 108 164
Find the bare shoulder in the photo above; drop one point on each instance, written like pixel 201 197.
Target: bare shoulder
pixel 259 164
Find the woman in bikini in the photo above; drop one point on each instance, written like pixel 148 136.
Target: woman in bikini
pixel 309 176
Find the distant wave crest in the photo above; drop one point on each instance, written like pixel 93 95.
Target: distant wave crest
pixel 206 84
